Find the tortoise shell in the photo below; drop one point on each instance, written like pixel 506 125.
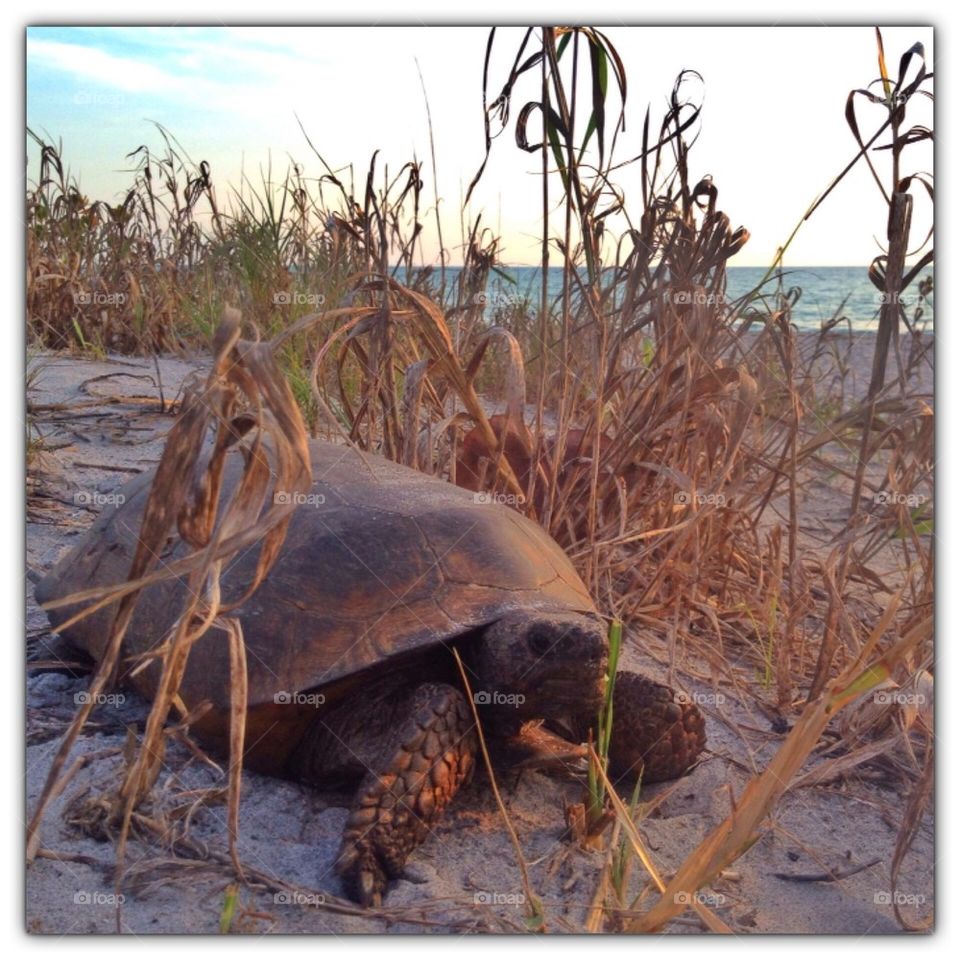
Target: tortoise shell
pixel 380 565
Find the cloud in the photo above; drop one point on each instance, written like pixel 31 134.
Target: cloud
pixel 93 65
pixel 209 69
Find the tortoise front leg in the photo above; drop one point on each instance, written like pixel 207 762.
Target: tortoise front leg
pixel 424 759
pixel 654 729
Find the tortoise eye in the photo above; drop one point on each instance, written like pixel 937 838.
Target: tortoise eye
pixel 540 643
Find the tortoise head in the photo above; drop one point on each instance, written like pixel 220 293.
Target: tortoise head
pixel 540 665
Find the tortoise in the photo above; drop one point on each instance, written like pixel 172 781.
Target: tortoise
pixel 384 572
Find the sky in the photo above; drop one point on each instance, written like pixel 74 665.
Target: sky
pixel 772 133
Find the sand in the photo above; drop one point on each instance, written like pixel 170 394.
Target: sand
pixel 465 877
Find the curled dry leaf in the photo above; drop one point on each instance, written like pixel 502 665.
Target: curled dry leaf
pixel 244 394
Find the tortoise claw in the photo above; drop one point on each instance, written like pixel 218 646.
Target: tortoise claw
pixel 370 889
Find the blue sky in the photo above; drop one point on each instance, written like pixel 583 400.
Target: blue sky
pixel 772 132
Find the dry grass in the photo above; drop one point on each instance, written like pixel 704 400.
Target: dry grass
pixel 668 447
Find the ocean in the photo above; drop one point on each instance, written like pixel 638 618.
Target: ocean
pixel 822 290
